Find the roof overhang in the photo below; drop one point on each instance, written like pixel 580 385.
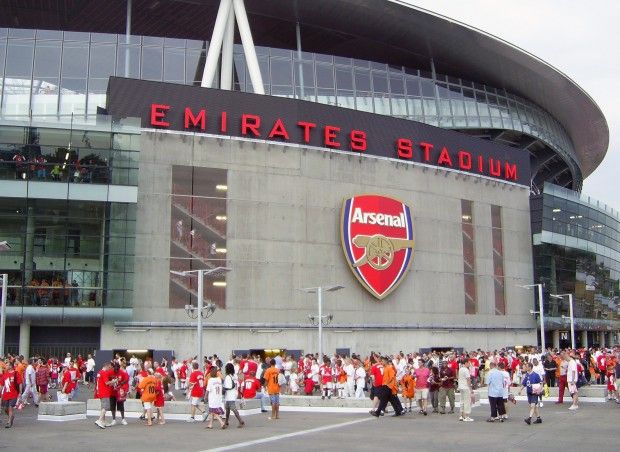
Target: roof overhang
pixel 389 31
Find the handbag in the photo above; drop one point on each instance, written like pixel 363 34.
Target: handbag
pixel 537 388
pixel 581 380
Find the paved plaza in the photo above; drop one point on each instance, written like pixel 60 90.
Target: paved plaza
pixel 593 426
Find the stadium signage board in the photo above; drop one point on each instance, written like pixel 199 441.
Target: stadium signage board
pixel 186 108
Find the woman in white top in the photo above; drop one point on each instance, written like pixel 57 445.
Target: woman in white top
pixel 360 380
pixel 231 391
pixel 214 396
pixel 294 381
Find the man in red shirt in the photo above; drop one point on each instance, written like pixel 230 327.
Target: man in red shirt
pixel 252 389
pixel 11 388
pixel 601 363
pixel 325 371
pixel 376 375
pixel 196 390
pixel 250 367
pixel 182 376
pixel 103 391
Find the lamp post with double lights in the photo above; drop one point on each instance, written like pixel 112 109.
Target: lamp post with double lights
pixel 570 315
pixel 201 311
pixel 321 319
pixel 539 312
pixel 4 246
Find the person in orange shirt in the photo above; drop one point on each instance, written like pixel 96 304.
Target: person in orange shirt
pixel 388 391
pixel 341 379
pixel 148 388
pixel 273 388
pixel 407 384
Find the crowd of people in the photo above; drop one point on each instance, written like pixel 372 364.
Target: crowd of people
pixel 425 383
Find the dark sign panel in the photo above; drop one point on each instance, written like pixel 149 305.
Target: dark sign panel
pixel 170 106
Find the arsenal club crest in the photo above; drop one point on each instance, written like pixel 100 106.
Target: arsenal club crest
pixel 377 239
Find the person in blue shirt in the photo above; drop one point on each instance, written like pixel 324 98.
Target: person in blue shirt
pixel 534 387
pixel 495 382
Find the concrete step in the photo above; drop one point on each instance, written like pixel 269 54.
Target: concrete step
pixel 61 411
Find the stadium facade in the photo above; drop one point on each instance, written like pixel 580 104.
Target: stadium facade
pixel 152 139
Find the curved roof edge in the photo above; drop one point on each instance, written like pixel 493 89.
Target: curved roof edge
pixel 553 90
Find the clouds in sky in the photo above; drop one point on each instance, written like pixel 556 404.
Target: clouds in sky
pixel 581 39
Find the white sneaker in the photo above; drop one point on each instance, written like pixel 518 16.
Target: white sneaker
pixel 111 424
pixel 461 418
pixel 540 404
pixel 573 407
pixel 100 424
pixel 123 421
pixel 468 419
pixel 191 419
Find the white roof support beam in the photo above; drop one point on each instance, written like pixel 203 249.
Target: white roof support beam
pixel 248 47
pixel 226 71
pixel 213 55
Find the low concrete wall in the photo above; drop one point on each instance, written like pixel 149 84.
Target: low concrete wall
pixel 61 411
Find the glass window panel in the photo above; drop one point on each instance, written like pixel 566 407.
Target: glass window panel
pixel 192 66
pixel 72 96
pixel 346 99
pixel 344 79
pixel 364 101
pixel 415 107
pixel 342 61
pixel 49 34
pixel 102 37
pixel 428 88
pixel 458 108
pixel 443 91
pixel 152 59
pixel 194 44
pixel 133 70
pixel 323 58
pixel 47 61
pixel 102 61
pixel 283 91
pixel 280 52
pixel 413 86
pixel 324 76
pixel 174 65
pixel 379 83
pixel 74 61
pixel 326 96
pixel 430 107
pixel 399 106
pixel 152 41
pixel 19 59
pixel 307 71
pixel 174 42
pixel 76 36
pixel 382 104
pixel 21 33
pixel 45 96
pixel 281 72
pixel 362 80
pixel 397 85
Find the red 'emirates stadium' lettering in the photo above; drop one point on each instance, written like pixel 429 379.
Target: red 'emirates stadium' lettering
pixel 335 137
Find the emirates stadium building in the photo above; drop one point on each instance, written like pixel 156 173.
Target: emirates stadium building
pixel 366 169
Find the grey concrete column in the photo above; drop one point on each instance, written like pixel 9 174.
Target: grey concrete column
pixel 24 339
pixel 28 257
pixel 556 339
pixel 584 339
pixel 601 339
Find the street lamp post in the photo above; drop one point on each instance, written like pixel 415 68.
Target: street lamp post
pixel 321 320
pixel 540 312
pixel 200 311
pixel 570 314
pixel 4 246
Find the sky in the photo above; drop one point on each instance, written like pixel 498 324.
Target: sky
pixel 581 39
